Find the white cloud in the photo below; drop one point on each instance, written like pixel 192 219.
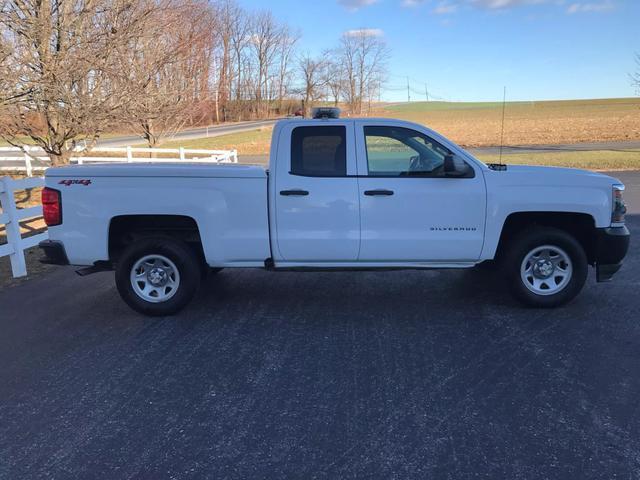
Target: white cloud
pixel 445 8
pixel 411 3
pixel 354 5
pixel 504 4
pixel 364 32
pixel 590 7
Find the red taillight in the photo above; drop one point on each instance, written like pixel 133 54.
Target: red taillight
pixel 51 207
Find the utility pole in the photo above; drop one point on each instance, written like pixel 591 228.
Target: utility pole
pixel 426 91
pixel 408 91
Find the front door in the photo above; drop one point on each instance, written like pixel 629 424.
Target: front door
pixel 410 210
pixel 317 205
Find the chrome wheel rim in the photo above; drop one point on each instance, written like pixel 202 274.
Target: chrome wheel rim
pixel 546 270
pixel 155 278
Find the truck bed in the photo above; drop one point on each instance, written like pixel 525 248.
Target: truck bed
pixel 159 170
pixel 227 202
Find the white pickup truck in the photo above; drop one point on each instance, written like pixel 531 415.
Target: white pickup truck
pixel 338 194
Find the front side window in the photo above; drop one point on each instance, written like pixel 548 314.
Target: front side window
pixel 397 151
pixel 319 151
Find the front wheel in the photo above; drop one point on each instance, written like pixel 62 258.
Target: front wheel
pixel 158 276
pixel 545 267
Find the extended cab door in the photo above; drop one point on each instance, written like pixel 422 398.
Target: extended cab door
pixel 411 211
pixel 317 211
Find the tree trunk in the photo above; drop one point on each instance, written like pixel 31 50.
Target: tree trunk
pixel 59 159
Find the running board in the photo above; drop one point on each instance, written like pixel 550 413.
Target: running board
pixel 100 266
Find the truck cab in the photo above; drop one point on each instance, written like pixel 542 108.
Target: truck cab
pixel 338 193
pixel 374 192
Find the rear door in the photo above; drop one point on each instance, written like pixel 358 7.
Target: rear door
pixel 410 210
pixel 316 193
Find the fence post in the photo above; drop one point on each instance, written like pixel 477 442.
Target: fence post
pixel 182 154
pixel 12 228
pixel 129 154
pixel 27 161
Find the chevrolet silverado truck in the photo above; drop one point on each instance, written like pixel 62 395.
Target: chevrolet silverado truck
pixel 338 194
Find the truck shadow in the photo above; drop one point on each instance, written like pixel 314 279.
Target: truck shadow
pixel 403 293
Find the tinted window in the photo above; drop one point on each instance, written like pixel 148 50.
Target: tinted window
pixel 319 151
pixel 397 151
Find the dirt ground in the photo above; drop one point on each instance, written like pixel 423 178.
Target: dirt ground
pixel 526 123
pixel 479 124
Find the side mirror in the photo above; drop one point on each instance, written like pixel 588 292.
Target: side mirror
pixel 456 169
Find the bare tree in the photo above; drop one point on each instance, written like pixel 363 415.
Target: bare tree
pixel 240 36
pixel 229 20
pixel 313 76
pixel 59 74
pixel 168 69
pixel 288 39
pixel 266 36
pixel 334 76
pixel 364 56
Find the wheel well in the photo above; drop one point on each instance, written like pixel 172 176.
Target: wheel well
pixel 126 229
pixel 580 225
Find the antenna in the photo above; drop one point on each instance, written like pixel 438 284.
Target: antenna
pixel 504 103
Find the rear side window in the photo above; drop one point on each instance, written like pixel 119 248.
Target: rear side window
pixel 319 151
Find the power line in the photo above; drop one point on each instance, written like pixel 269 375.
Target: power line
pixel 408 91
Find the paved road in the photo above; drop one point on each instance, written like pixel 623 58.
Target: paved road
pixel 202 132
pixel 326 375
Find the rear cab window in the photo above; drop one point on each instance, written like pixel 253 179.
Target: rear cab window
pixel 319 151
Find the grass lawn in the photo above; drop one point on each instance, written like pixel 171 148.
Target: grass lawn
pixel 253 142
pixel 25 140
pixel 595 160
pixel 28 141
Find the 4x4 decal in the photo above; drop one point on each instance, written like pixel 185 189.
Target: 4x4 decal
pixel 75 182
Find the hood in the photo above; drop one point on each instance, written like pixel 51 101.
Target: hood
pixel 546 176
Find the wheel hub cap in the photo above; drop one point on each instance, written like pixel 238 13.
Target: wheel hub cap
pixel 158 276
pixel 546 270
pixel 155 278
pixel 543 268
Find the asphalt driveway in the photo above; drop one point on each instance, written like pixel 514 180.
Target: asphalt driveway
pixel 325 375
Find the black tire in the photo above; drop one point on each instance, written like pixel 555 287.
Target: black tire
pixel 526 241
pixel 186 262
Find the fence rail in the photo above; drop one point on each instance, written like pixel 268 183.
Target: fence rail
pixel 34 159
pixel 11 217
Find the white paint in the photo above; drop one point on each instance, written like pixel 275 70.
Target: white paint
pixel 335 225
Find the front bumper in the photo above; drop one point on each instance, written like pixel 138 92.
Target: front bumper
pixel 54 253
pixel 612 245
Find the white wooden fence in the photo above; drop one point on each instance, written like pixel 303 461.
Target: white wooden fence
pixel 34 159
pixel 11 216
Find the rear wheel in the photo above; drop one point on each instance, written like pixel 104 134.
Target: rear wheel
pixel 158 276
pixel 545 267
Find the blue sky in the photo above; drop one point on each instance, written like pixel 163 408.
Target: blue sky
pixel 467 50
